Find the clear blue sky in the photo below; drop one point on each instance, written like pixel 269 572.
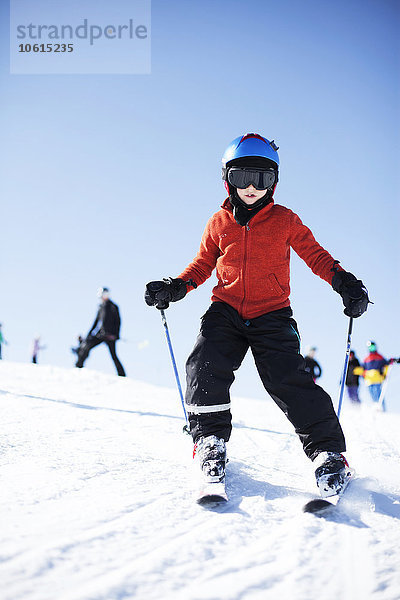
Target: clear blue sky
pixel 110 179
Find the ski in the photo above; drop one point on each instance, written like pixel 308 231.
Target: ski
pixel 321 505
pixel 212 494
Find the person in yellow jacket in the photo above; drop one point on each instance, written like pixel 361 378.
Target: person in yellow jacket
pixel 374 370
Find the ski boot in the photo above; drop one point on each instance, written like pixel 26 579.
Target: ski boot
pixel 211 454
pixel 332 473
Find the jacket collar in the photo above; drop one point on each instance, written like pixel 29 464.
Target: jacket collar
pixel 226 205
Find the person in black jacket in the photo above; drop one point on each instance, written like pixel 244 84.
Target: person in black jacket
pixel 312 366
pixel 352 380
pixel 104 329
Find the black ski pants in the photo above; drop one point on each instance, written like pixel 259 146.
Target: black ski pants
pixel 93 341
pixel 275 344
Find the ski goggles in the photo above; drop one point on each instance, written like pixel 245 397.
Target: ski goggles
pixel 242 177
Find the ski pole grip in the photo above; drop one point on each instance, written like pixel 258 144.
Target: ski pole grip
pixel 157 288
pixel 162 305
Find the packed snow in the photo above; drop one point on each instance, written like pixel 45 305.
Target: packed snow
pixel 97 501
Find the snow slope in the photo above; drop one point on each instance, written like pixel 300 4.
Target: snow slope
pixel 96 500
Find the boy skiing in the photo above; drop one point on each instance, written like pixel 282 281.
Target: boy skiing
pixel 248 241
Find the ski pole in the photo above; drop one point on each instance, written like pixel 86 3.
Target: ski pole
pixel 381 401
pixel 346 364
pixel 164 321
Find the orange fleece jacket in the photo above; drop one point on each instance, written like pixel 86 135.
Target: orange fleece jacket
pixel 253 262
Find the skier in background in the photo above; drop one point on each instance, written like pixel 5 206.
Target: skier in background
pixel 374 370
pixel 36 347
pixel 352 380
pixel 105 329
pixel 2 341
pixel 312 366
pixel 80 342
pixel 248 240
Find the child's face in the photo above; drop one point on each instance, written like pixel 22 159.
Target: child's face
pixel 250 195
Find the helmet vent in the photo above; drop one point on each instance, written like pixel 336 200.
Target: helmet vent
pixel 252 135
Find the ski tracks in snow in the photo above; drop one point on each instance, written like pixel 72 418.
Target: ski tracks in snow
pixel 98 502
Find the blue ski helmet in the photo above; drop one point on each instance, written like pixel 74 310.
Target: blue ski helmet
pixel 249 145
pixel 250 151
pixel 372 346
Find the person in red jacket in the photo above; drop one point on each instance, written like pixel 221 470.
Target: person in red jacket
pixel 249 241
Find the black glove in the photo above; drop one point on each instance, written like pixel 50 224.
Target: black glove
pixel 161 293
pixel 353 291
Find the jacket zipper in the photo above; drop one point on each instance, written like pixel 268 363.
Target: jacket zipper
pixel 246 241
